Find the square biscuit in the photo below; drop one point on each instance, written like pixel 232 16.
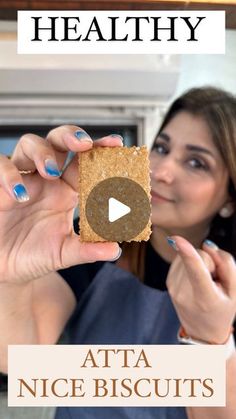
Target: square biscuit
pixel 102 163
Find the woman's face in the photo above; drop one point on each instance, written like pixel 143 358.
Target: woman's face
pixel 189 179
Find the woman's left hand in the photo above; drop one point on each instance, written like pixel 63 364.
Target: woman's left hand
pixel 202 286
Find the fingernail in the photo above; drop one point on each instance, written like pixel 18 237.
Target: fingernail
pixel 82 136
pixel 51 168
pixel 20 193
pixel 172 243
pixel 210 244
pixel 118 136
pixel 117 257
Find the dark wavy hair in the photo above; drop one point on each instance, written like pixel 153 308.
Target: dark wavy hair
pixel 218 108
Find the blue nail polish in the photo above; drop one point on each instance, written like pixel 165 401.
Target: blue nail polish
pixel 210 244
pixel 118 136
pixel 172 243
pixel 82 136
pixel 20 193
pixel 116 257
pixel 51 168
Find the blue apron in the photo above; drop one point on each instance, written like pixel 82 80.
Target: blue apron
pixel 119 309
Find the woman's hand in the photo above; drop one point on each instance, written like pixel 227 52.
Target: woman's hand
pixel 36 235
pixel 202 286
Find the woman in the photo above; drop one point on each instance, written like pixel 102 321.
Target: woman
pixel 193 184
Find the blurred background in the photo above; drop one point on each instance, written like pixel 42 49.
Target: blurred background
pixel 124 94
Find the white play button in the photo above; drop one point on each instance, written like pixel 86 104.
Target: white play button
pixel 116 209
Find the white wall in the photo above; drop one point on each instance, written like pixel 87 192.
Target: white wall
pixel 199 70
pixel 218 70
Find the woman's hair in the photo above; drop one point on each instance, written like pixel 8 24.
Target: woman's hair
pixel 218 109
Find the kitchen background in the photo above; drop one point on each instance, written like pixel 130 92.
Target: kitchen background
pixel 103 94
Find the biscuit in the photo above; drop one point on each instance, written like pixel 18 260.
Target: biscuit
pixel 101 163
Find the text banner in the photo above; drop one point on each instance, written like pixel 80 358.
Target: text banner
pixel 121 32
pixel 107 375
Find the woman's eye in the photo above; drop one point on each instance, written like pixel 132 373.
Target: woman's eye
pixel 196 163
pixel 160 148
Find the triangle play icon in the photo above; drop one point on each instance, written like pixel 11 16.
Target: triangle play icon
pixel 116 209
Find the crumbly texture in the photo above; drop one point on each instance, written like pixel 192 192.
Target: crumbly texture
pixel 101 163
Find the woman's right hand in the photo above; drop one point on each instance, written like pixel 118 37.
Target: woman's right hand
pixel 36 235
